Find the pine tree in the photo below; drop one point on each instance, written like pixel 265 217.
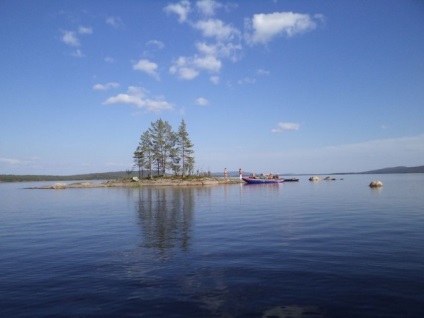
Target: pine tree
pixel 139 160
pixel 146 148
pixel 163 141
pixel 184 150
pixel 175 159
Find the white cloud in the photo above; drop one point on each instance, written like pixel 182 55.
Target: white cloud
pixel 263 72
pixel 208 7
pixel 214 79
pixel 115 22
pixel 185 73
pixel 85 30
pixel 105 87
pixel 70 38
pixel 207 49
pixel 182 9
pixel 209 62
pixel 11 161
pixel 282 127
pixel 18 162
pixel 183 69
pixel 224 41
pixel 231 51
pixel 246 80
pixel 77 53
pixel 220 49
pixel 202 101
pixel 188 68
pixel 109 59
pixel 262 28
pixel 208 59
pixel 137 96
pixel 155 43
pixel 148 67
pixel 216 29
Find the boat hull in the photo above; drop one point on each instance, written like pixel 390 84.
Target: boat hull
pixel 262 181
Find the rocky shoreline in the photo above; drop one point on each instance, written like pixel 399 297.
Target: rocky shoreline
pixel 135 183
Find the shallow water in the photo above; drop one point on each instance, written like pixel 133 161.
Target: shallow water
pixel 332 248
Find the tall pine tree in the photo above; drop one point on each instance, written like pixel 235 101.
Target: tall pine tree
pixel 146 148
pixel 163 141
pixel 184 150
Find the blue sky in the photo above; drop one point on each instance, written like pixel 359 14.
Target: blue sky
pixel 285 86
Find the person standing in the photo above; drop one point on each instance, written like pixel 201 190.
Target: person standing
pixel 225 173
pixel 240 174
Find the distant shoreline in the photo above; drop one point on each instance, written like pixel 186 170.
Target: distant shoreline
pixel 231 174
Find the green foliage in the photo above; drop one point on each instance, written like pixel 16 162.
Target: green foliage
pixel 163 141
pixel 184 150
pixel 143 156
pixel 162 148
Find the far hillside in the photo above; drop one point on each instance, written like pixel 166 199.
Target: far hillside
pixel 400 169
pixel 90 176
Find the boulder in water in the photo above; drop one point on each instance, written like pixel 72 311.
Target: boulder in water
pixel 314 178
pixel 376 184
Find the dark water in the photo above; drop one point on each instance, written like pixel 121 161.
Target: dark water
pixel 327 249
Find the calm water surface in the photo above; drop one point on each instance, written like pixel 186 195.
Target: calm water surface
pixel 329 248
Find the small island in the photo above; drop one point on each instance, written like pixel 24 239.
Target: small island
pixel 135 182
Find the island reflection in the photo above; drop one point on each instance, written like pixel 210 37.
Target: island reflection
pixel 165 217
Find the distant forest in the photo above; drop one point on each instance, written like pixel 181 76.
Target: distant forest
pixel 90 176
pixel 128 174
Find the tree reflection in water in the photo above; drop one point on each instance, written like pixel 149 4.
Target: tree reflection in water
pixel 165 217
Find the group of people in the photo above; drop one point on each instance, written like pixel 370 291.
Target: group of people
pixel 240 173
pixel 262 176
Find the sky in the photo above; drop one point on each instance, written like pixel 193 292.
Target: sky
pixel 281 86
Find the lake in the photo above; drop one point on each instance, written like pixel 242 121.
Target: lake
pixel 301 249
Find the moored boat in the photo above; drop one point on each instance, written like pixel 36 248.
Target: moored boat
pixel 291 180
pixel 262 180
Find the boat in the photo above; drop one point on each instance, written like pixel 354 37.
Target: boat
pixel 254 180
pixel 291 180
